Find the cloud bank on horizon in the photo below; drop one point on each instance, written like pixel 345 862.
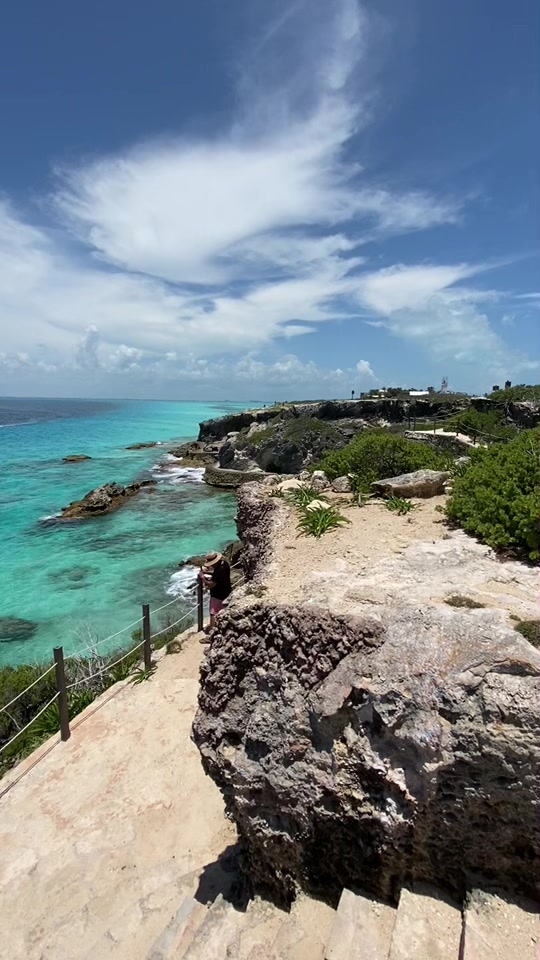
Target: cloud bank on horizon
pixel 237 262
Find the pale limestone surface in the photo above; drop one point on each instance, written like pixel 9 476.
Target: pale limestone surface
pixel 96 837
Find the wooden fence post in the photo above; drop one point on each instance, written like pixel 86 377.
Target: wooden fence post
pixel 200 605
pixel 63 710
pixel 146 636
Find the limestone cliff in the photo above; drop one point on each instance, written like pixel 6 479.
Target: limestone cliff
pixel 372 747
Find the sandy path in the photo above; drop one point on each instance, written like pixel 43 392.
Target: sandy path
pixel 374 532
pixel 97 836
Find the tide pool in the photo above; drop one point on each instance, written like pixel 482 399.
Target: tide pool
pixel 81 582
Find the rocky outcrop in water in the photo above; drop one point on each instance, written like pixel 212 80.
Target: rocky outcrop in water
pixel 143 446
pixel 75 458
pixel 103 500
pixel 15 628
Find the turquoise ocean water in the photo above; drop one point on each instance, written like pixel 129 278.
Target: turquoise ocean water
pixel 83 581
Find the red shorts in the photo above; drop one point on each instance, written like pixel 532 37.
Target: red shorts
pixel 215 606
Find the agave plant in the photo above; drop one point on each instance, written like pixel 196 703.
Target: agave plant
pixel 303 496
pixel 399 505
pixel 318 521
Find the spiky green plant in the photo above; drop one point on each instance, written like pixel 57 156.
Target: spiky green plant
pixel 303 496
pixel 140 674
pixel 315 522
pixel 399 505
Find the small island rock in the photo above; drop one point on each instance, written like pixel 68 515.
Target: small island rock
pixel 102 500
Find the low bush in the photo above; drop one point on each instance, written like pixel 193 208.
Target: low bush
pixel 466 602
pixel 522 391
pixel 530 629
pixel 399 505
pixel 488 425
pixel 376 455
pixel 498 497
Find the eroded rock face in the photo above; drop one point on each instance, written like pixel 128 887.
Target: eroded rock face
pixel 102 500
pixel 377 749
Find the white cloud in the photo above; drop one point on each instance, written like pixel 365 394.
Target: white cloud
pixel 423 304
pixel 364 369
pixel 220 246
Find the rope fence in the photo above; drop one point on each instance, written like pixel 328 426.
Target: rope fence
pixel 63 688
pixel 29 724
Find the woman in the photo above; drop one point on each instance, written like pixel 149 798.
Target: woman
pixel 216 577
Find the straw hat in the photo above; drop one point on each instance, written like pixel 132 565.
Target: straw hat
pixel 212 558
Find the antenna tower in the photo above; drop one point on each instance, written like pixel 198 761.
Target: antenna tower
pixel 444 385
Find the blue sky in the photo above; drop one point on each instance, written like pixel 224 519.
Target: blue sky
pixel 250 199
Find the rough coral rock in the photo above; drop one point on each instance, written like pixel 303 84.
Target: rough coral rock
pixel 373 750
pixel 341 485
pixel 102 500
pixel 421 483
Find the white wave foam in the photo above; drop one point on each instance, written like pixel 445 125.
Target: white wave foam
pixel 182 584
pixel 171 470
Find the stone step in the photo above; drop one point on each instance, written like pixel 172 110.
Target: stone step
pixel 303 933
pixel 179 932
pixel 428 926
pixel 362 929
pixel 499 928
pixel 132 929
pixel 217 935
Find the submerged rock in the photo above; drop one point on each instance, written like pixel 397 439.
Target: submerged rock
pixel 75 458
pixel 102 500
pixel 14 628
pixel 142 446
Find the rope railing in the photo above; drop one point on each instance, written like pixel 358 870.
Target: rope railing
pixel 62 688
pixel 98 643
pixel 26 689
pixel 104 669
pixel 29 724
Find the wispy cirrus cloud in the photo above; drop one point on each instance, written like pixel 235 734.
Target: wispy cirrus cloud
pixel 215 247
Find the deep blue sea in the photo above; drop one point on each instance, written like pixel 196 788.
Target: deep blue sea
pixel 80 582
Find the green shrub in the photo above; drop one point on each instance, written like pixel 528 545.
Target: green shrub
pixel 498 497
pixel 530 629
pixel 376 455
pixel 486 425
pixel 467 602
pixel 520 392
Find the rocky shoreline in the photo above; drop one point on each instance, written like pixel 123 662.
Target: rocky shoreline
pixel 284 440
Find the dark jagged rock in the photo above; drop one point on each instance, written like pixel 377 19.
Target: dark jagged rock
pixel 14 628
pixel 525 413
pixel 103 500
pixel 360 752
pixel 142 446
pixel 369 750
pixel 195 454
pixel 75 458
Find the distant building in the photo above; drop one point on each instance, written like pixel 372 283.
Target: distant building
pixel 419 393
pixel 495 387
pixel 507 385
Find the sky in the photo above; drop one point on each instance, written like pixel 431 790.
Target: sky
pixel 268 200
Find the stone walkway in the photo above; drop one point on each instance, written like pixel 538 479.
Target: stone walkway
pixel 98 837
